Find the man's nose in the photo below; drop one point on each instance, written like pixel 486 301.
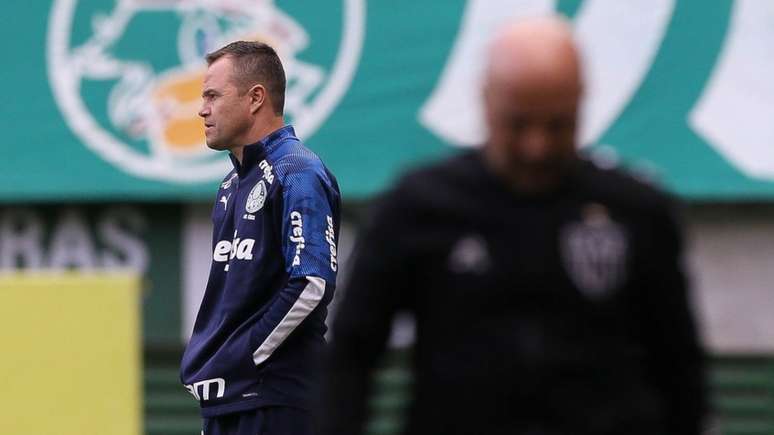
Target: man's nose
pixel 536 143
pixel 204 111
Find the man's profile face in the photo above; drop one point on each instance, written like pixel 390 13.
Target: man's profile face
pixel 225 110
pixel 532 125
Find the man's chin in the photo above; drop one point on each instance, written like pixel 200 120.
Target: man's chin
pixel 551 167
pixel 539 176
pixel 215 146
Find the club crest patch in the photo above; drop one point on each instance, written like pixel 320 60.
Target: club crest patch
pixel 256 198
pixel 594 252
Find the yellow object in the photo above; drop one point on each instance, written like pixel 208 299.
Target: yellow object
pixel 69 354
pixel 185 134
pixel 179 98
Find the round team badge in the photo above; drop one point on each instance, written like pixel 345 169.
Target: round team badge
pixel 256 198
pixel 135 103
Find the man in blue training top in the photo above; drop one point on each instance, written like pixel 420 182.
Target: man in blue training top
pixel 252 359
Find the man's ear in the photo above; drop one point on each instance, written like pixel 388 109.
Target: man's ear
pixel 486 91
pixel 486 99
pixel 257 95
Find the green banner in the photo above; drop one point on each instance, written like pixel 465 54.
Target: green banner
pixel 102 95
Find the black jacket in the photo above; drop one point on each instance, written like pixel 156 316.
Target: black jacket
pixel 561 313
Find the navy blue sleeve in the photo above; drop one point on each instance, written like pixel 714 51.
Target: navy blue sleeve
pixel 309 236
pixel 310 225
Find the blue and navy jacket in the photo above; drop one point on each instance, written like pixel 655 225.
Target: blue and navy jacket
pixel 261 323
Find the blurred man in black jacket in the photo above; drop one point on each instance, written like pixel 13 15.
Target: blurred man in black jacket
pixel 548 293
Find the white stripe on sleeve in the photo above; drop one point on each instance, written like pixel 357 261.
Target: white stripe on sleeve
pixel 306 303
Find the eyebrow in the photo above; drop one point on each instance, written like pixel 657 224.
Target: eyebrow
pixel 209 91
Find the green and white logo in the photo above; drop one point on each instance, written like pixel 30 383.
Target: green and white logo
pixel 128 79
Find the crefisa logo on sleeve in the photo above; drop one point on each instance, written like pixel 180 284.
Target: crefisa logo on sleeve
pixel 134 101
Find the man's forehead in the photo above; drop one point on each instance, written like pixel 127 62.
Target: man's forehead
pixel 534 54
pixel 219 72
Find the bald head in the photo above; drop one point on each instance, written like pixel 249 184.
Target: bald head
pixel 536 52
pixel 532 90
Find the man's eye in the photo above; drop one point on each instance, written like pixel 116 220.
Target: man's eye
pixel 518 124
pixel 561 124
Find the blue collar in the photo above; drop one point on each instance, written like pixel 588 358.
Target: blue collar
pixel 255 152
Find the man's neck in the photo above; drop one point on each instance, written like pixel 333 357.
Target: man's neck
pixel 259 131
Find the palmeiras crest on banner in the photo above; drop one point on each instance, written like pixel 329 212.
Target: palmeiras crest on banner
pixel 594 252
pixel 127 75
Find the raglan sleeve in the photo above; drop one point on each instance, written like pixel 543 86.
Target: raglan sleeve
pixel 309 235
